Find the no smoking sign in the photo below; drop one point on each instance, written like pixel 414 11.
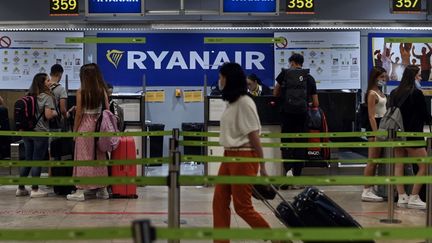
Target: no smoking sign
pixel 5 42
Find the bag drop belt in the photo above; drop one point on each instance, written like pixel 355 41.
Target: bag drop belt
pixel 239 149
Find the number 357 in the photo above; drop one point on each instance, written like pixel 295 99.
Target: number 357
pixel 64 4
pixel 406 3
pixel 300 4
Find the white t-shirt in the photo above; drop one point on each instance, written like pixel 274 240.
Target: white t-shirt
pixel 238 120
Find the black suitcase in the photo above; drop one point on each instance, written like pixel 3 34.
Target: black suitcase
pixel 312 208
pixel 62 149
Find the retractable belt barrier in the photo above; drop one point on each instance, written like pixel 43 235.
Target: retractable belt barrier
pixel 307 234
pixel 175 234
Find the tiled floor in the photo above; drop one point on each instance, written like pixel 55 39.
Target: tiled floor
pixel 57 212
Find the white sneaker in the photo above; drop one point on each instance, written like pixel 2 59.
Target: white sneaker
pixel 415 202
pixel 39 193
pixel 22 192
pixel 368 195
pixel 77 196
pixel 102 193
pixel 403 200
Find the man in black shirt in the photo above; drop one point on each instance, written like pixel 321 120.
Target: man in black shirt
pixel 294 121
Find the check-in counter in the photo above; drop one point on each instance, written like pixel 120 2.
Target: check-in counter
pixel 268 112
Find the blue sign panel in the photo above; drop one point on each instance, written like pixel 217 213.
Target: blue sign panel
pixel 114 6
pixel 249 6
pixel 180 59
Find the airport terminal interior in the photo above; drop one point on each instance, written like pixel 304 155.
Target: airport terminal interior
pixel 311 86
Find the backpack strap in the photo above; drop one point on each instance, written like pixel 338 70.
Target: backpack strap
pixel 404 98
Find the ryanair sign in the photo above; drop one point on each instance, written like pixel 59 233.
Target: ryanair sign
pixel 180 59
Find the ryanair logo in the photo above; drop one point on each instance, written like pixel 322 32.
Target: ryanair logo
pixel 114 57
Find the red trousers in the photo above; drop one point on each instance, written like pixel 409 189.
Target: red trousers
pixel 241 195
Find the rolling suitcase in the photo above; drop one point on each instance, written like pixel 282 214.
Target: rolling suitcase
pixel 311 208
pixel 125 151
pixel 62 149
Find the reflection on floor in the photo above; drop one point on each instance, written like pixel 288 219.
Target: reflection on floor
pixel 191 168
pixel 57 212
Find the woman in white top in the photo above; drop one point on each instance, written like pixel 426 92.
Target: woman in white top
pixel 240 130
pixel 376 103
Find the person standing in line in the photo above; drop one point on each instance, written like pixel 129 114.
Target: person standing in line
pixel 58 90
pixel 91 98
pixel 240 130
pixel 425 61
pixel 376 103
pixel 37 147
pixel 256 87
pixel 415 115
pixel 293 121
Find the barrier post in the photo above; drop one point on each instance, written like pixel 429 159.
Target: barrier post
pixel 174 143
pixel 174 186
pixel 390 188
pixel 429 190
pixel 143 232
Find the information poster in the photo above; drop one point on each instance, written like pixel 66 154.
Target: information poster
pixel 24 54
pixel 191 96
pixel 394 52
pixel 332 57
pixel 155 96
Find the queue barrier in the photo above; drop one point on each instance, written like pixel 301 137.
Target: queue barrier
pixel 174 234
pixel 307 234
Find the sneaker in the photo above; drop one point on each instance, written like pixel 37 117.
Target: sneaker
pixel 368 195
pixel 39 193
pixel 416 203
pixel 22 192
pixel 403 201
pixel 102 193
pixel 77 196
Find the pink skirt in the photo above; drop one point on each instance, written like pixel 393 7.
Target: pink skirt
pixel 85 149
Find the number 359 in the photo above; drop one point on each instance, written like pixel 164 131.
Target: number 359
pixel 64 4
pixel 300 4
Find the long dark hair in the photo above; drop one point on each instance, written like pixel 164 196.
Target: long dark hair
pixel 407 83
pixel 255 78
pixel 236 84
pixel 93 87
pixel 38 85
pixel 373 76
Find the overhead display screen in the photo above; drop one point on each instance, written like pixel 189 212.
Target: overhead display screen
pixel 406 6
pixel 97 7
pixel 250 6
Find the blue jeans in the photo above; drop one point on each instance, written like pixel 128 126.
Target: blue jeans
pixel 35 149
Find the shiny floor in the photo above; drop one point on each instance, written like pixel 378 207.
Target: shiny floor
pixel 56 212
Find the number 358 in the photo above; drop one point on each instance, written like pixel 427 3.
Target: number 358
pixel 300 4
pixel 64 4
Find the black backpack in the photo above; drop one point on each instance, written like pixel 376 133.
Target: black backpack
pixel 294 91
pixel 25 110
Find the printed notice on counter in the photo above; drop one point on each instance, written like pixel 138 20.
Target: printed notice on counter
pixel 216 109
pixel 191 96
pixel 156 96
pixel 24 54
pixel 333 58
